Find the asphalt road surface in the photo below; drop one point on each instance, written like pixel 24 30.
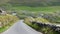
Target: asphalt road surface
pixel 21 28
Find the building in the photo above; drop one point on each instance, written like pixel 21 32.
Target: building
pixel 2 12
pixel 14 13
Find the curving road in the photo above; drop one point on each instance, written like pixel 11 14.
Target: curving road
pixel 21 28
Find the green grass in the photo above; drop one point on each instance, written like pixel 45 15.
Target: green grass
pixel 3 29
pixel 32 9
pixel 38 9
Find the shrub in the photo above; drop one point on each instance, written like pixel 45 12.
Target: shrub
pixel 6 21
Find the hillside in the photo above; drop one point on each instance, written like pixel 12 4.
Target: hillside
pixel 35 2
pixel 32 2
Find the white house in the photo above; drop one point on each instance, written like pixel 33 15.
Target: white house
pixel 2 12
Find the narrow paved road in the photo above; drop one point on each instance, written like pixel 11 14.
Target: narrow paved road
pixel 21 28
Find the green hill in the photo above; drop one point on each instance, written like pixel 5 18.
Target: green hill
pixel 35 2
pixel 32 2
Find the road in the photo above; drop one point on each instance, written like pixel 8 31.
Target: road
pixel 21 28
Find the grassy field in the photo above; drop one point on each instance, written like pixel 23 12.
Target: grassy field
pixel 36 9
pixel 31 9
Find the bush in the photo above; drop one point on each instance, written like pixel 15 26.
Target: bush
pixel 43 29
pixel 6 21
